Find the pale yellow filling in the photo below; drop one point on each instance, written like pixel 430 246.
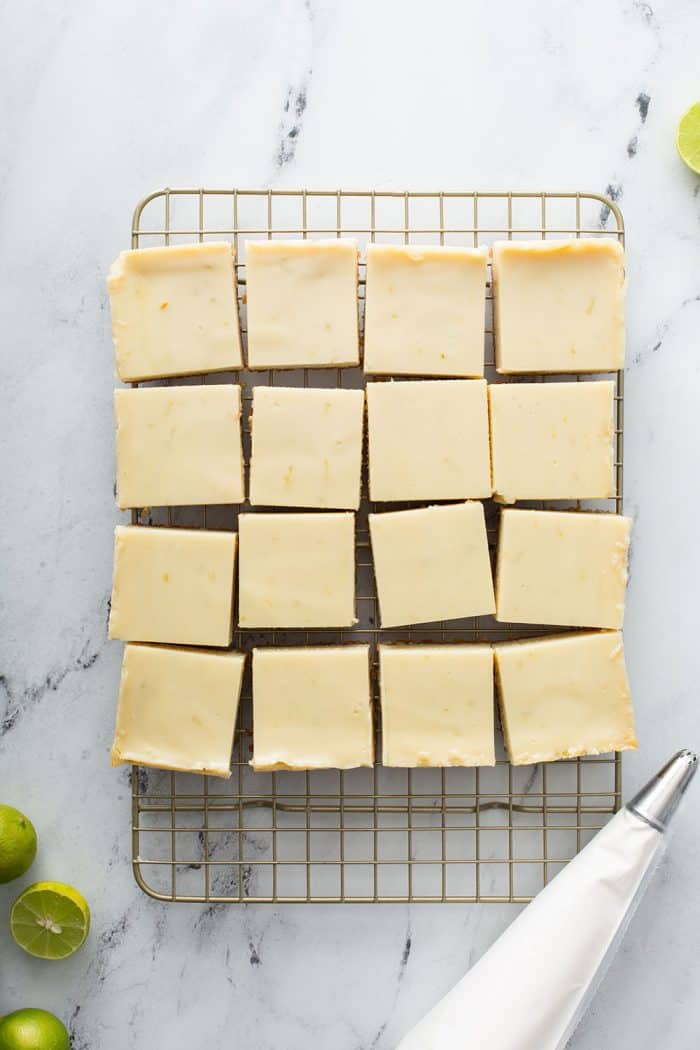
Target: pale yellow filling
pixel 432 564
pixel 424 310
pixel 437 705
pixel 564 696
pixel 428 440
pixel 552 440
pixel 179 445
pixel 311 708
pixel 565 568
pixel 173 585
pixel 177 708
pixel 174 311
pixel 559 305
pixel 302 303
pixel 296 570
pixel 307 447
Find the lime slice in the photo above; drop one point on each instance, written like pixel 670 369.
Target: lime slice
pixel 50 920
pixel 17 843
pixel 33 1030
pixel 688 138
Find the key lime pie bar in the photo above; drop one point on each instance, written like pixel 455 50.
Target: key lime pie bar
pixel 432 564
pixel 173 585
pixel 428 440
pixel 174 311
pixel 567 568
pixel 424 310
pixel 559 305
pixel 177 708
pixel 296 570
pixel 179 446
pixel 302 303
pixel 311 708
pixel 552 440
pixel 307 447
pixel 437 705
pixel 564 696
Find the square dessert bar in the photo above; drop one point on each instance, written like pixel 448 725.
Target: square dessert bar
pixel 307 447
pixel 567 568
pixel 296 570
pixel 179 446
pixel 302 303
pixel 564 696
pixel 173 585
pixel 177 708
pixel 437 705
pixel 424 310
pixel 312 708
pixel 431 564
pixel 174 311
pixel 552 440
pixel 559 305
pixel 428 440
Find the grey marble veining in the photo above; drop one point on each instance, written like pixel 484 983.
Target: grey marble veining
pixel 106 102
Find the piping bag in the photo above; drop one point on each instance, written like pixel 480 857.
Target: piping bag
pixel 531 988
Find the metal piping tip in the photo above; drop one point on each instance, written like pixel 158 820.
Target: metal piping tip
pixel 658 800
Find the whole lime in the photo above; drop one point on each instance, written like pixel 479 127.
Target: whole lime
pixel 33 1030
pixel 17 843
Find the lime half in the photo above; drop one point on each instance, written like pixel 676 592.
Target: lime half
pixel 688 137
pixel 33 1030
pixel 17 844
pixel 50 920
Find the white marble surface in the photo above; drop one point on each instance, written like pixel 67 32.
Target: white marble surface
pixel 108 101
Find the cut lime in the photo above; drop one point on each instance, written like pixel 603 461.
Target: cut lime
pixel 50 920
pixel 33 1030
pixel 17 843
pixel 688 137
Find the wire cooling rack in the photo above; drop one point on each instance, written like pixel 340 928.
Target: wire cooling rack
pixel 464 835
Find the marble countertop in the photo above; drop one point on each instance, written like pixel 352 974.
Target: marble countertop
pixel 109 101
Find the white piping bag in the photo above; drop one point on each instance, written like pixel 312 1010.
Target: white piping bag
pixel 530 990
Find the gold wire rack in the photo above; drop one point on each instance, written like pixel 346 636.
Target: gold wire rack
pixel 390 835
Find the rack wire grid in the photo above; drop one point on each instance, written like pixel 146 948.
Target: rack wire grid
pixel 391 835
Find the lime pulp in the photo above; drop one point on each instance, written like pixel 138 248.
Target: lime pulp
pixel 688 137
pixel 50 920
